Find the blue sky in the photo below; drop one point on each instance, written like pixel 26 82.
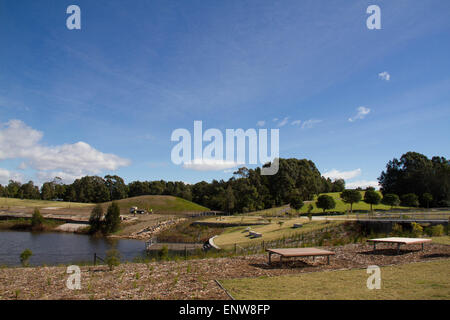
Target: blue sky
pixel 106 98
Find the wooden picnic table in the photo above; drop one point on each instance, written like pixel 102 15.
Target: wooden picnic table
pixel 399 241
pixel 299 252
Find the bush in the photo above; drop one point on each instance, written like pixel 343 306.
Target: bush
pixel 37 220
pixel 25 256
pixel 437 230
pixel 164 253
pixel 416 229
pixel 391 199
pixel 112 258
pixel 397 229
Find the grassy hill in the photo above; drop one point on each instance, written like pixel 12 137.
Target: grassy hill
pixel 25 203
pixel 159 204
pixel 340 206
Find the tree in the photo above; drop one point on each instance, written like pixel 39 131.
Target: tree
pixel 410 200
pixel 296 201
pixel 325 202
pixel 427 198
pixel 351 197
pixel 37 220
pixel 112 218
pixel 112 258
pixel 415 173
pixel 372 197
pixel 391 199
pixel 95 220
pixel 25 256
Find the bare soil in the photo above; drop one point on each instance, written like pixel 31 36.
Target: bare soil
pixel 194 279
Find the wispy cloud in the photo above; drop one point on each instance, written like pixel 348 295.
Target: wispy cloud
pixel 362 184
pixel 362 113
pixel 384 76
pixel 296 122
pixel 283 122
pixel 308 124
pixel 260 123
pixel 336 174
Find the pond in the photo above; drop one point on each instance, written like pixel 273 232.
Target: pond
pixel 62 248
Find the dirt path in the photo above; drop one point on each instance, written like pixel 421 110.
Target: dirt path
pixel 194 279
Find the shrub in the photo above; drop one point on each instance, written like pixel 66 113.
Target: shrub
pixel 25 256
pixel 397 229
pixel 112 258
pixel 164 253
pixel 416 229
pixel 437 230
pixel 37 220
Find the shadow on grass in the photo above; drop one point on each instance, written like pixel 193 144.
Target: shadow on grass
pixel 388 252
pixel 436 255
pixel 296 264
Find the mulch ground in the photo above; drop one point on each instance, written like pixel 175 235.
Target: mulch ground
pixel 194 279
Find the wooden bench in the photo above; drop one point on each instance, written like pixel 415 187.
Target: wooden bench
pixel 399 241
pixel 299 252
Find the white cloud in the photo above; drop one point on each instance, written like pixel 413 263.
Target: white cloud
pixel 6 175
pixel 260 123
pixel 362 184
pixel 275 119
pixel 362 112
pixel 296 122
pixel 308 124
pixel 283 122
pixel 384 76
pixel 336 174
pixel 210 165
pixel 69 161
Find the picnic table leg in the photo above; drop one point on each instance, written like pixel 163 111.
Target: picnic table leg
pixel 281 259
pixel 328 258
pixel 422 246
pixel 398 248
pixel 270 258
pixel 374 246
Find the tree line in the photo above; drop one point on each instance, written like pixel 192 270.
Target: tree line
pixel 413 179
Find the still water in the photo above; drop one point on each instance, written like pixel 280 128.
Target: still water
pixel 56 248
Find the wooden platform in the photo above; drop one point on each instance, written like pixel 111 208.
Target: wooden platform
pixel 399 241
pixel 299 252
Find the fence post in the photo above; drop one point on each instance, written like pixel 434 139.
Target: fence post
pixel 95 258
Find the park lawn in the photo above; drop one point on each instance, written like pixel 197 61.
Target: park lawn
pixel 423 280
pixel 441 240
pixel 272 231
pixel 341 206
pixel 13 202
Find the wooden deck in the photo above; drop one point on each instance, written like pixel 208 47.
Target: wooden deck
pixel 299 252
pixel 399 241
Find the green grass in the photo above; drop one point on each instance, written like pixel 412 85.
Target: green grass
pixel 272 231
pixel 424 280
pixel 340 206
pixel 13 202
pixel 159 204
pixel 442 240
